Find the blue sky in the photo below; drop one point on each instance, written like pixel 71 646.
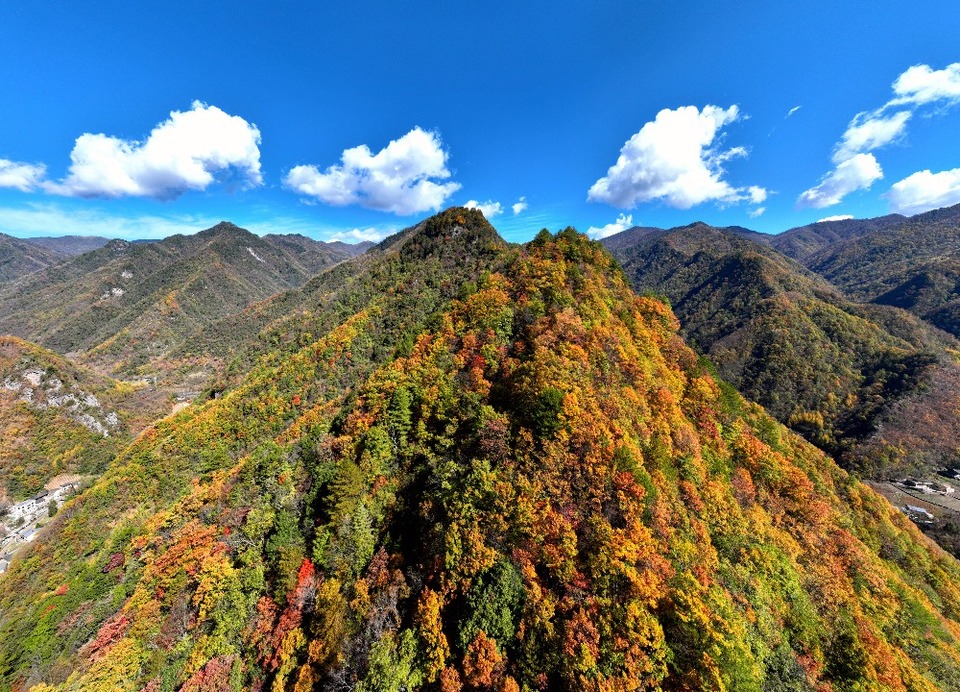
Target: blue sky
pixel 349 120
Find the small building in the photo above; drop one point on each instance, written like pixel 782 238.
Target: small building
pixel 28 535
pixel 61 492
pixel 918 514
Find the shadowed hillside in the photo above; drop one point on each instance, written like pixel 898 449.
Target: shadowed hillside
pixel 19 258
pixel 830 368
pixel 914 265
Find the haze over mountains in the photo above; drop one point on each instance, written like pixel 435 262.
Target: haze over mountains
pixel 451 462
pixel 20 257
pixel 71 245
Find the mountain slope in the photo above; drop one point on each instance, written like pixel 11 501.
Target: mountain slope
pixel 804 241
pixel 19 258
pixel 914 266
pixel 126 306
pixel 545 490
pixel 312 255
pixel 828 367
pixel 58 418
pixel 409 274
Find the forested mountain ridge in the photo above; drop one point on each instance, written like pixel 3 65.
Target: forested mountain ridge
pixel 125 307
pixel 20 257
pixel 802 242
pixel 410 273
pixel 541 488
pixel 914 266
pixel 832 369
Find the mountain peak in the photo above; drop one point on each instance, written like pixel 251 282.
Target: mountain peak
pixel 464 226
pixel 117 245
pixel 455 217
pixel 225 228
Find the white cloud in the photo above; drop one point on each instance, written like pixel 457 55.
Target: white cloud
pixel 400 178
pixel 671 159
pixel 793 110
pixel 867 132
pixel 856 173
pixel 924 190
pixel 489 208
pixel 360 235
pixel 757 195
pixel 856 169
pixel 836 217
pixel 520 206
pixel 756 213
pixel 189 151
pixel 21 176
pixel 920 85
pixel 622 223
pixel 917 86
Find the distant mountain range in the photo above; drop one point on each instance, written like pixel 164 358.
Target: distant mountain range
pixel 803 241
pixel 831 368
pixel 453 463
pixel 70 245
pixel 125 306
pixel 20 257
pixel 914 265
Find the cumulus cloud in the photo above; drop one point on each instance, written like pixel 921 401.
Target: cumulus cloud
pixel 867 132
pixel 489 208
pixel 920 84
pixel 856 173
pixel 836 217
pixel 674 158
pixel 21 176
pixel 400 178
pixel 520 206
pixel 855 168
pixel 924 190
pixel 757 195
pixel 622 223
pixel 360 235
pixel 756 213
pixel 188 151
